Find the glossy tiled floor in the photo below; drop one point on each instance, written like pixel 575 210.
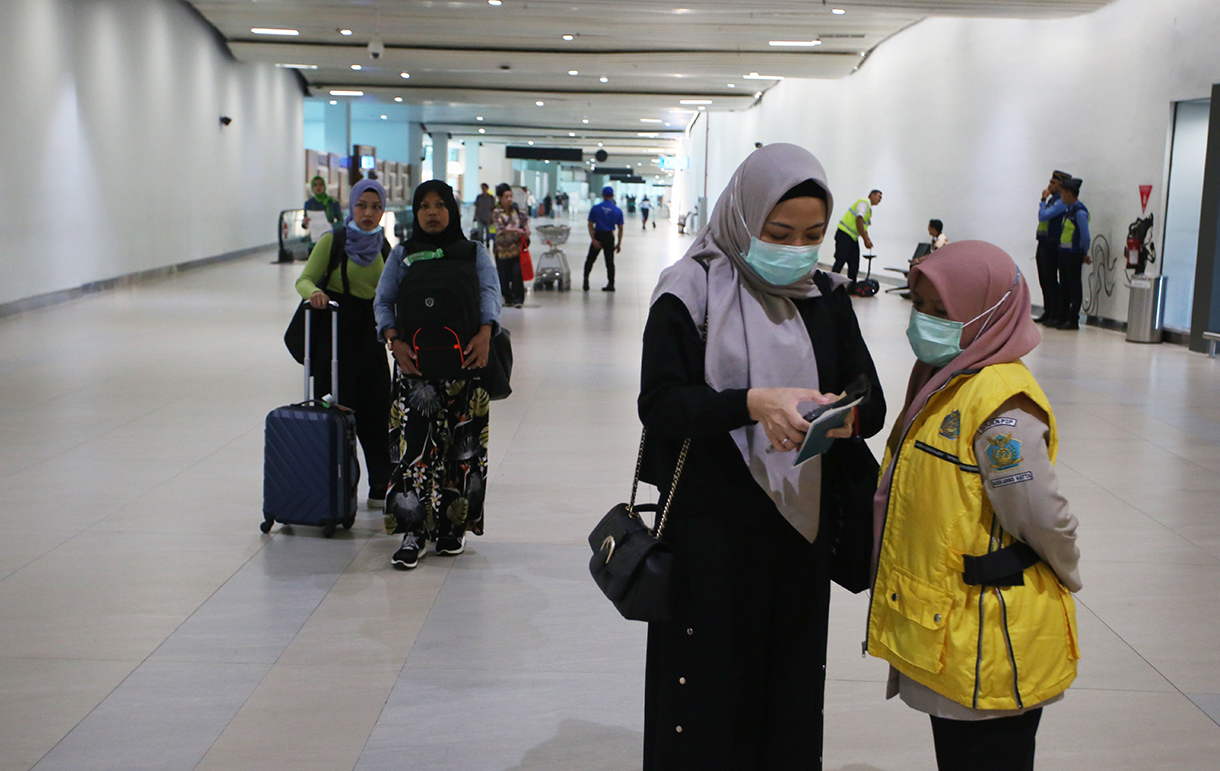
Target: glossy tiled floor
pixel 146 623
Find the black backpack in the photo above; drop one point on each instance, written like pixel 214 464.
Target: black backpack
pixel 437 311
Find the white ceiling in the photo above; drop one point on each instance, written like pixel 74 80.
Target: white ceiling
pixel 468 59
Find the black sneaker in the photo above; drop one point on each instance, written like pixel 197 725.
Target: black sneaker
pixel 408 555
pixel 608 288
pixel 586 284
pixel 450 545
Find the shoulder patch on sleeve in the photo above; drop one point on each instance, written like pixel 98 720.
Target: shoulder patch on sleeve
pixel 1024 476
pixel 1008 422
pixel 1004 452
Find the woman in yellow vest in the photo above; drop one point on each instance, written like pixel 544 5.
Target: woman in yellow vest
pixel 976 554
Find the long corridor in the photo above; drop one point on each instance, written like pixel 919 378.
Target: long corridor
pixel 146 623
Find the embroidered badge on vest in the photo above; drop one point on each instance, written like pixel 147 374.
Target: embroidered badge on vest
pixel 951 426
pixel 1004 452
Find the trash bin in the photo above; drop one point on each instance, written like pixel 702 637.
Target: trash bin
pixel 1145 309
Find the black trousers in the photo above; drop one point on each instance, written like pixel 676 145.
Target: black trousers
pixel 644 214
pixel 1000 744
pixel 1071 289
pixel 511 283
pixel 1048 277
pixel 603 240
pixel 847 251
pixel 364 383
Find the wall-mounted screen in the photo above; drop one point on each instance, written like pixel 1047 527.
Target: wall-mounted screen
pixel 368 162
pixel 674 162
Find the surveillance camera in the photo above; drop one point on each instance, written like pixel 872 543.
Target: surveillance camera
pixel 376 48
pixel 225 120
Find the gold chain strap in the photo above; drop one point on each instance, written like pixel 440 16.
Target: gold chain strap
pixel 635 485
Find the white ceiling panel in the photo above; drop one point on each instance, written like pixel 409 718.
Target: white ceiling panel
pixel 632 59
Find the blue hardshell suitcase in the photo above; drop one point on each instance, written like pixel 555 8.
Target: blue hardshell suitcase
pixel 310 469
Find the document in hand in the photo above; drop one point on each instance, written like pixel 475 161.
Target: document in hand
pixel 821 420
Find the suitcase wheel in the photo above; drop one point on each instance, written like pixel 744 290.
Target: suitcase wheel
pixel 328 531
pixel 265 525
pixel 347 523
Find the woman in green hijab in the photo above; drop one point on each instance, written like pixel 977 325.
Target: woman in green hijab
pixel 321 202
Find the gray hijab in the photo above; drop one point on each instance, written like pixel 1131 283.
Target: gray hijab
pixel 756 338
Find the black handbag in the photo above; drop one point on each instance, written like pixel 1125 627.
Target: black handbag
pixel 630 563
pixel 847 509
pixel 499 370
pixel 294 336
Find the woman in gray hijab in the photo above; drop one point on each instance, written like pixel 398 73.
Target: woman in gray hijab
pixel 736 679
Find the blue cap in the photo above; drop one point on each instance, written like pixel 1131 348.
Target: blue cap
pixel 607 190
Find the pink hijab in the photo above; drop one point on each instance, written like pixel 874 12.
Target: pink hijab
pixel 971 277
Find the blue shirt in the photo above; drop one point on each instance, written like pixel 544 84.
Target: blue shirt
pixel 1051 212
pixel 396 268
pixel 606 215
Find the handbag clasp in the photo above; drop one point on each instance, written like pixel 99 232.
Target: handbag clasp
pixel 608 543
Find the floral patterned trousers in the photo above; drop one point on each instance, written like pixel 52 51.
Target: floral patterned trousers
pixel 438 447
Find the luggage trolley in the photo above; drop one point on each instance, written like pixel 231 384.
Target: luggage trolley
pixel 551 269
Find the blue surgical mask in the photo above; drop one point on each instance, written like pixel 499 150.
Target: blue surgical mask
pixel 780 264
pixel 352 226
pixel 938 341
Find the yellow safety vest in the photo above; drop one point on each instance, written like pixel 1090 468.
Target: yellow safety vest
pixel 848 223
pixel 982 646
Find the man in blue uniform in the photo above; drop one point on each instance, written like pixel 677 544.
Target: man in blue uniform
pixel 1073 253
pixel 603 218
pixel 1050 227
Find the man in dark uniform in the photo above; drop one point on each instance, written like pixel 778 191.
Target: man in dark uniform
pixel 1050 226
pixel 603 218
pixel 1073 254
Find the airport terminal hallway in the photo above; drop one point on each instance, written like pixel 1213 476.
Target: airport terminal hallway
pixel 148 624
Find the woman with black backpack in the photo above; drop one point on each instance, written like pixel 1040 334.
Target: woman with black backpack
pixel 345 266
pixel 437 306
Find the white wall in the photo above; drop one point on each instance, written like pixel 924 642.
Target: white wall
pixel 964 119
pixel 112 157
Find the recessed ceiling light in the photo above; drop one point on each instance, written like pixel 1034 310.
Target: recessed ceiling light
pixel 646 135
pixel 345 32
pixel 838 11
pixel 270 31
pixel 495 2
pixel 651 120
pixel 795 43
pixel 732 85
pixel 482 131
pixel 584 120
pixel 404 75
pixel 357 67
pixel 398 99
pixel 385 117
pixel 757 94
pixel 599 144
pixel 701 107
pixel 571 133
pixel 298 66
pixel 333 101
pixel 478 117
pixel 569 37
pixel 756 76
pixel 540 103
pixel 530 142
pixel 573 72
pixel 342 92
pixel 694 101
pixel 604 80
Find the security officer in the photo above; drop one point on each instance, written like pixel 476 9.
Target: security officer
pixel 603 218
pixel 1050 227
pixel 852 228
pixel 1073 253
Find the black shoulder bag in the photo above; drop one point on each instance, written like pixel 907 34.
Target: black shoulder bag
pixel 294 336
pixel 631 564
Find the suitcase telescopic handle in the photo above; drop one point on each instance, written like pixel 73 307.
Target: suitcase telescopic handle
pixel 334 348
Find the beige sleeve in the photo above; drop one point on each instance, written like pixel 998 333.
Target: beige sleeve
pixel 1022 486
